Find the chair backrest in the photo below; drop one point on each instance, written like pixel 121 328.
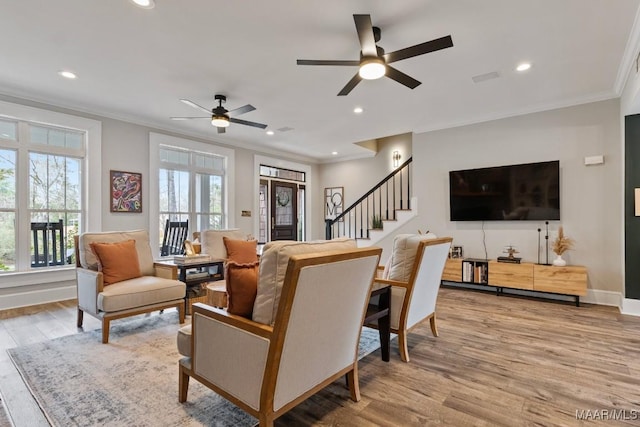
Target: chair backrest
pixel 85 257
pixel 425 278
pixel 175 233
pixel 318 323
pixel 48 244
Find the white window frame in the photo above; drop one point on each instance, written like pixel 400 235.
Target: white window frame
pixel 156 140
pixel 91 200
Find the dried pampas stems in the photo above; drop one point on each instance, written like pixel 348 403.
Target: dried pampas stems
pixel 562 243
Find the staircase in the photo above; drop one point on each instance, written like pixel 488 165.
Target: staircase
pixel 378 213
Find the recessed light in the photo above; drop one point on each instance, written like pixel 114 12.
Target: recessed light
pixel 270 132
pixel 145 4
pixel 334 153
pixel 67 74
pixel 358 110
pixel 523 67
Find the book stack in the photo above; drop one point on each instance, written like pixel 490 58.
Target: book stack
pixel 512 260
pixel 190 259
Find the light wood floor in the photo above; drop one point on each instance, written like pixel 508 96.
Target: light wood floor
pixel 505 360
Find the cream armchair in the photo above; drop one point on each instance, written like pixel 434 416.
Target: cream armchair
pixel 414 271
pixel 153 290
pixel 267 369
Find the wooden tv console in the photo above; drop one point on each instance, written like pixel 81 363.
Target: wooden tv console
pixel 570 280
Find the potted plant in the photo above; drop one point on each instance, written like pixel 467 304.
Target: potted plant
pixel 376 222
pixel 560 246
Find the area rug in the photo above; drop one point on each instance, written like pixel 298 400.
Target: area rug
pixel 132 381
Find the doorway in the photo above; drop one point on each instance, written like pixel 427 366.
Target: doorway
pixel 282 204
pixel 284 212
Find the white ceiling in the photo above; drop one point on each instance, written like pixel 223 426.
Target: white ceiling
pixel 135 64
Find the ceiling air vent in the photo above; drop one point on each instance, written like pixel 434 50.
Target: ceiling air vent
pixel 484 77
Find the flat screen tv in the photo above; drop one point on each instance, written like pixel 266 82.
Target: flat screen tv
pixel 517 192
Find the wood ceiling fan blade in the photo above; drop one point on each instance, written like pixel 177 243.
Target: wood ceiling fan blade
pixel 247 123
pixel 242 110
pixel 402 78
pixel 189 118
pixel 194 105
pixel 419 49
pixel 364 27
pixel 350 85
pixel 221 130
pixel 327 62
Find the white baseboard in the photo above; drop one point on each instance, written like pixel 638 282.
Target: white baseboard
pixel 39 296
pixel 595 296
pixel 630 307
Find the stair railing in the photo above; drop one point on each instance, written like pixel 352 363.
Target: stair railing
pixel 378 204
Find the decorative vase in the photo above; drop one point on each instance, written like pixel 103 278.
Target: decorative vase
pixel 559 262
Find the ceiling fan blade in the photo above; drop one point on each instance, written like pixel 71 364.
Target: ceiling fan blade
pixel 402 78
pixel 419 49
pixel 364 27
pixel 243 109
pixel 221 130
pixel 327 62
pixel 189 118
pixel 349 86
pixel 194 105
pixel 247 123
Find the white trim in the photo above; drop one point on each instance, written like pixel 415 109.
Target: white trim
pixel 625 68
pixel 630 307
pixel 158 139
pixel 596 296
pixel 284 164
pixel 63 291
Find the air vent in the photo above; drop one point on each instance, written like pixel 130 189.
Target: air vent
pixel 285 129
pixel 484 77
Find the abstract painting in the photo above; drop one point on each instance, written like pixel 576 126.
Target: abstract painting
pixel 126 191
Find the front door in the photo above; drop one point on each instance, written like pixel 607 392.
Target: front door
pixel 284 210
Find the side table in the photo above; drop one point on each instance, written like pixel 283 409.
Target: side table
pixel 380 314
pixel 194 275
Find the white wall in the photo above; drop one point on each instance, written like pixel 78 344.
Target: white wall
pixel 591 196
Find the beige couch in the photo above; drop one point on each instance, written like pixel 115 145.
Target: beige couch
pixel 154 290
pixel 312 299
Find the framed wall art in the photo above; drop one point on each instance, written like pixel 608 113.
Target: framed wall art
pixel 126 191
pixel 333 202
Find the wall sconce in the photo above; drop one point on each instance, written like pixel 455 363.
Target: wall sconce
pixel 396 158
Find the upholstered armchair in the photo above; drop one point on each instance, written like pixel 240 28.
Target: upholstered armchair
pixel 117 278
pixel 267 367
pixel 414 271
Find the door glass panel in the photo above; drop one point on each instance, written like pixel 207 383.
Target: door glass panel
pixel 284 206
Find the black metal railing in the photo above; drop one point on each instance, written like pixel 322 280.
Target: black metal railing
pixel 377 205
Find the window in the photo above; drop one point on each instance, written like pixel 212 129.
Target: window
pixel 193 184
pixel 43 181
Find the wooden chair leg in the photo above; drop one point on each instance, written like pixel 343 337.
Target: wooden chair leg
pixel 402 343
pixel 105 330
pixel 434 326
pixel 80 317
pixel 265 420
pixel 183 384
pixel 181 313
pixel 353 383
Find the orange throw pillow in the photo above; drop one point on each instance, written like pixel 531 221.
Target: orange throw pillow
pixel 117 261
pixel 242 285
pixel 241 251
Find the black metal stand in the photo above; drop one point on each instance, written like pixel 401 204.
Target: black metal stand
pixel 546 238
pixel 539 230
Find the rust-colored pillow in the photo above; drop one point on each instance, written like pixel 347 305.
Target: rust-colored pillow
pixel 118 261
pixel 242 285
pixel 241 251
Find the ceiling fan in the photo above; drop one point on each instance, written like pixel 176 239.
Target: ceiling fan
pixel 220 116
pixel 374 63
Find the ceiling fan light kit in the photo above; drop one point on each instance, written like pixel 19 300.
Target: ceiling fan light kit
pixel 374 61
pixel 220 121
pixel 372 68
